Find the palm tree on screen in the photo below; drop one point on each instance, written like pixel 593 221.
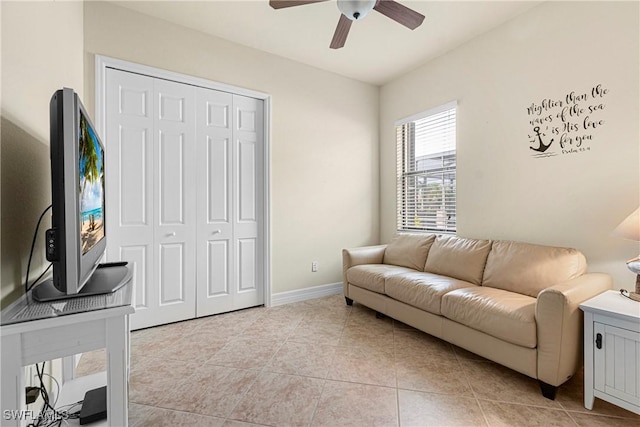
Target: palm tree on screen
pixel 88 156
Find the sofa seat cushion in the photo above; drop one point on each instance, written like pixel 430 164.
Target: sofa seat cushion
pixel 373 276
pixel 458 257
pixel 505 315
pixel 422 290
pixel 528 269
pixel 409 250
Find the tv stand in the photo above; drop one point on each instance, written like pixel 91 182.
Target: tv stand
pixel 103 281
pixel 34 332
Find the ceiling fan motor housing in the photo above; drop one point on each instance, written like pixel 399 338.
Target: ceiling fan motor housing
pixel 356 9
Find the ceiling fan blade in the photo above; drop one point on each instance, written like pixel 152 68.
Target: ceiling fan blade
pixel 399 13
pixel 340 35
pixel 280 4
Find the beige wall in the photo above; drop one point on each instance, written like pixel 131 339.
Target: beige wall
pixel 324 135
pixel 42 51
pixel 503 191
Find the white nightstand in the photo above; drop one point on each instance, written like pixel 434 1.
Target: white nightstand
pixel 612 350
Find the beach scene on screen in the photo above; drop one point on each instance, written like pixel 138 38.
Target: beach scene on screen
pixel 91 186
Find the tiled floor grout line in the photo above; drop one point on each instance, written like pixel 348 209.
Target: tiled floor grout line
pixel 315 408
pixel 344 326
pixel 243 396
pixel 261 371
pixel 264 369
pixel 473 392
pixel 571 418
pixel 325 379
pixel 395 368
pixel 596 414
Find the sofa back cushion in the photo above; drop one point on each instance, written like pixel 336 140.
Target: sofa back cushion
pixel 527 269
pixel 409 250
pixel 459 258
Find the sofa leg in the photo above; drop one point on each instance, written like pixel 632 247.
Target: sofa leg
pixel 548 390
pixel 348 300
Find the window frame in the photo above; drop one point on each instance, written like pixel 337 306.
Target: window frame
pixel 444 173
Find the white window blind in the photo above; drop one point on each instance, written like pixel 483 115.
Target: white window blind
pixel 426 171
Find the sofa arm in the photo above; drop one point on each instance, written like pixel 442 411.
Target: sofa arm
pixel 560 325
pixel 359 256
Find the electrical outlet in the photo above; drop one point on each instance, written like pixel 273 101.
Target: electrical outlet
pixel 314 266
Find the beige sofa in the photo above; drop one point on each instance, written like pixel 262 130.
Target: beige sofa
pixel 513 303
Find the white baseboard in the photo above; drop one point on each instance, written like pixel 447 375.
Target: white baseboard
pixel 307 293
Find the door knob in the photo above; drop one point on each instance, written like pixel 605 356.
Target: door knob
pixel 216 231
pixel 172 234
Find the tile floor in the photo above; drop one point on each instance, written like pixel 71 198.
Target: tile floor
pixel 322 363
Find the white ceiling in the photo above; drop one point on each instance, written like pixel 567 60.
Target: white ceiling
pixel 377 49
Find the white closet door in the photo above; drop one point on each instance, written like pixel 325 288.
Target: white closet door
pixel 150 137
pixel 130 223
pixel 215 202
pixel 175 200
pixel 185 196
pixel 230 200
pixel 248 121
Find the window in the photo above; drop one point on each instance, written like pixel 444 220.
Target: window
pixel 426 171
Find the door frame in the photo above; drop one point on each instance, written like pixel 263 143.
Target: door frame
pixel 103 62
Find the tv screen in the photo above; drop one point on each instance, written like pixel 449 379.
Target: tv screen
pixel 77 240
pixel 91 188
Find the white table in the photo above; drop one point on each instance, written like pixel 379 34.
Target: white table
pixel 70 327
pixel 612 350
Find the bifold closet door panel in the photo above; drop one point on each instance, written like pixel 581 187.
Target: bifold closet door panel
pixel 175 199
pixel 129 202
pixel 248 191
pixel 215 241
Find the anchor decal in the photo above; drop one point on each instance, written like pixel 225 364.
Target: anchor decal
pixel 542 147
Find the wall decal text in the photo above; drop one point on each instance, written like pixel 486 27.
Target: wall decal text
pixel 566 125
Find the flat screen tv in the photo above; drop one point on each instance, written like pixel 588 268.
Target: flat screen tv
pixel 77 241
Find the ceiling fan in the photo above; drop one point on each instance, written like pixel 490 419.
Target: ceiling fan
pixel 355 10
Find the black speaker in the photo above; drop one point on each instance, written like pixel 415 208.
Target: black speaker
pixel 94 406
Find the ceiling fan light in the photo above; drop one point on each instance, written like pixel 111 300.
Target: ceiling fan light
pixel 356 9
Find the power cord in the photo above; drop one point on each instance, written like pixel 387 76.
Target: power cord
pixel 57 416
pixel 631 295
pixel 35 282
pixel 58 388
pixel 33 244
